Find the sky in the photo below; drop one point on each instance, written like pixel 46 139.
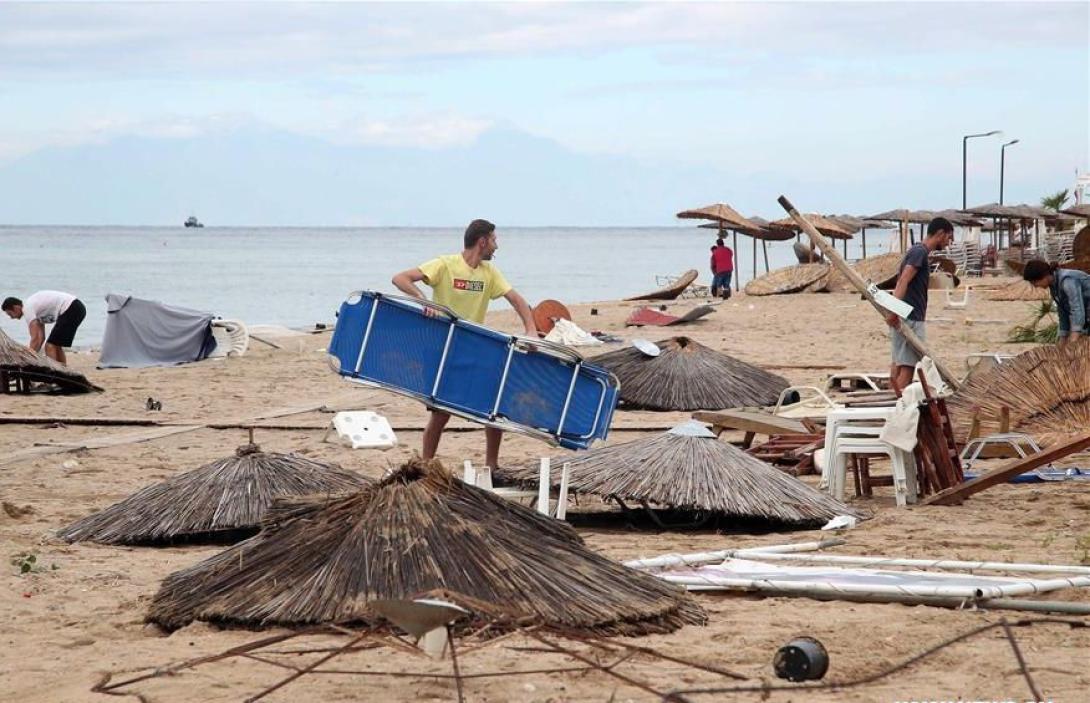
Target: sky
pixel 860 102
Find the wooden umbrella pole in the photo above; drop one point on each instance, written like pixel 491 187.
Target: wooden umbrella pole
pixel 860 285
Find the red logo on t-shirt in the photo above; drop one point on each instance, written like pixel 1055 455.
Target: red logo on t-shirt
pixel 471 286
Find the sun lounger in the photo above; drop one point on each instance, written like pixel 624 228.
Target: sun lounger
pixel 424 351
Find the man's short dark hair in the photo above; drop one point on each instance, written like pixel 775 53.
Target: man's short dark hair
pixel 478 230
pixel 939 224
pixel 10 303
pixel 719 242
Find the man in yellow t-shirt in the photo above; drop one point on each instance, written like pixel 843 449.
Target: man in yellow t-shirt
pixel 466 283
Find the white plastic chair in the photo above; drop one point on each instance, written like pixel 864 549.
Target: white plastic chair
pixel 232 338
pixel 363 429
pixel 856 431
pixel 961 303
pixel 482 478
pixel 814 406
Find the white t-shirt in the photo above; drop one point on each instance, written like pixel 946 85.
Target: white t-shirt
pixel 46 306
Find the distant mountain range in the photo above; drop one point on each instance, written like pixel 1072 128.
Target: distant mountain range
pixel 258 176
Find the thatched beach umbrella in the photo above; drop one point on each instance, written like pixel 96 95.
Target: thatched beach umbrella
pixel 1018 291
pixel 723 217
pixel 418 533
pixel 791 279
pixel 689 469
pixel 1046 391
pixel 223 501
pixel 1079 211
pixel 20 366
pixel 880 270
pixel 687 375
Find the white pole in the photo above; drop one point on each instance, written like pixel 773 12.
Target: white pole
pixel 697 558
pixel 543 487
pixel 947 564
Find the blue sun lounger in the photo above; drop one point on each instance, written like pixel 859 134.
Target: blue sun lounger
pixel 425 351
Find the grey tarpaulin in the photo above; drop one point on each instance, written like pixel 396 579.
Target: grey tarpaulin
pixel 149 333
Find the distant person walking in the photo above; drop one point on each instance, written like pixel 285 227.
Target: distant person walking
pixel 49 307
pixel 1070 289
pixel 722 269
pixel 912 282
pixel 466 283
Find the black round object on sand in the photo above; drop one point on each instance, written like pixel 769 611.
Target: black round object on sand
pixel 801 659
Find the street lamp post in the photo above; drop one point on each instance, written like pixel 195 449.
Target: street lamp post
pixel 1002 160
pixel 965 158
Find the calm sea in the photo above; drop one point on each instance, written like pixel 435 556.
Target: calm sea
pixel 299 276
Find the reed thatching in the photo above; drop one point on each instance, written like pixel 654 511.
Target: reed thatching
pixel 1018 290
pixel 223 501
pixel 687 375
pixel 1047 392
pixel 790 279
pixel 723 215
pixel 880 270
pixel 826 225
pixel 686 469
pixel 671 291
pixel 420 532
pixel 1080 245
pixel 1082 211
pixel 19 362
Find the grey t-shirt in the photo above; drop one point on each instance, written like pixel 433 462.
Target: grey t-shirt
pixel 916 294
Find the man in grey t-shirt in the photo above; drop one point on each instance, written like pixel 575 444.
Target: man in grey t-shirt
pixel 911 287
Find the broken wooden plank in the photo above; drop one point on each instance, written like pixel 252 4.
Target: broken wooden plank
pixel 1008 471
pixel 750 421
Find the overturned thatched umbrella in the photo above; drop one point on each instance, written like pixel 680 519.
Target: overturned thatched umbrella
pixel 687 375
pixel 19 367
pixel 880 270
pixel 219 502
pixel 689 469
pixel 791 279
pixel 1018 291
pixel 420 532
pixel 1046 392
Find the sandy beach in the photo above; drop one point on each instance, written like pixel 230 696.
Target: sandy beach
pixel 82 615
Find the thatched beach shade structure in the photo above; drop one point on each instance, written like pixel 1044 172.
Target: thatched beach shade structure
pixel 222 502
pixel 826 225
pixel 688 469
pixel 791 279
pixel 880 270
pixel 1046 391
pixel 723 217
pixel 860 225
pixel 420 533
pixel 20 367
pixel 1018 291
pixel 1079 211
pixel 687 375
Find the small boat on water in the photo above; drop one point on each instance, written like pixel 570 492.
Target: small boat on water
pixel 193 222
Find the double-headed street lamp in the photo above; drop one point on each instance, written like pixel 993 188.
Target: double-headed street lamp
pixel 965 158
pixel 1002 159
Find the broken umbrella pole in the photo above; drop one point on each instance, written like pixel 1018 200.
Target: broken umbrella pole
pixel 860 285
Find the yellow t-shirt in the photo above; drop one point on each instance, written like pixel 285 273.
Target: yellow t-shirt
pixel 467 291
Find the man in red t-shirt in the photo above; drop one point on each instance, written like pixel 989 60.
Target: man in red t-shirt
pixel 723 268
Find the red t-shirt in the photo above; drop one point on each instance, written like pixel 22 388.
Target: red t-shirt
pixel 723 259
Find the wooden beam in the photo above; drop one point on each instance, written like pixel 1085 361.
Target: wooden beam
pixel 1008 471
pixel 750 421
pixel 860 285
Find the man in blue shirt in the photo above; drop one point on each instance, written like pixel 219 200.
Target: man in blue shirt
pixel 912 282
pixel 1070 289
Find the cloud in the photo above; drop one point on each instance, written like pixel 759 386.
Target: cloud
pixel 423 131
pixel 274 40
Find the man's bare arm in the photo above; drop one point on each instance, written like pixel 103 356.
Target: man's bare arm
pixel 37 335
pixel 523 309
pixel 406 282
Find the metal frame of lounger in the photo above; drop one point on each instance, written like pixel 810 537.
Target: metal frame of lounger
pixel 513 342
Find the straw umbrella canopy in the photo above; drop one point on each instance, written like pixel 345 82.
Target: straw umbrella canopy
pixel 1079 211
pixel 223 501
pixel 826 225
pixel 791 279
pixel 1047 392
pixel 687 375
pixel 1018 291
pixel 420 533
pixel 19 363
pixel 721 213
pixel 688 469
